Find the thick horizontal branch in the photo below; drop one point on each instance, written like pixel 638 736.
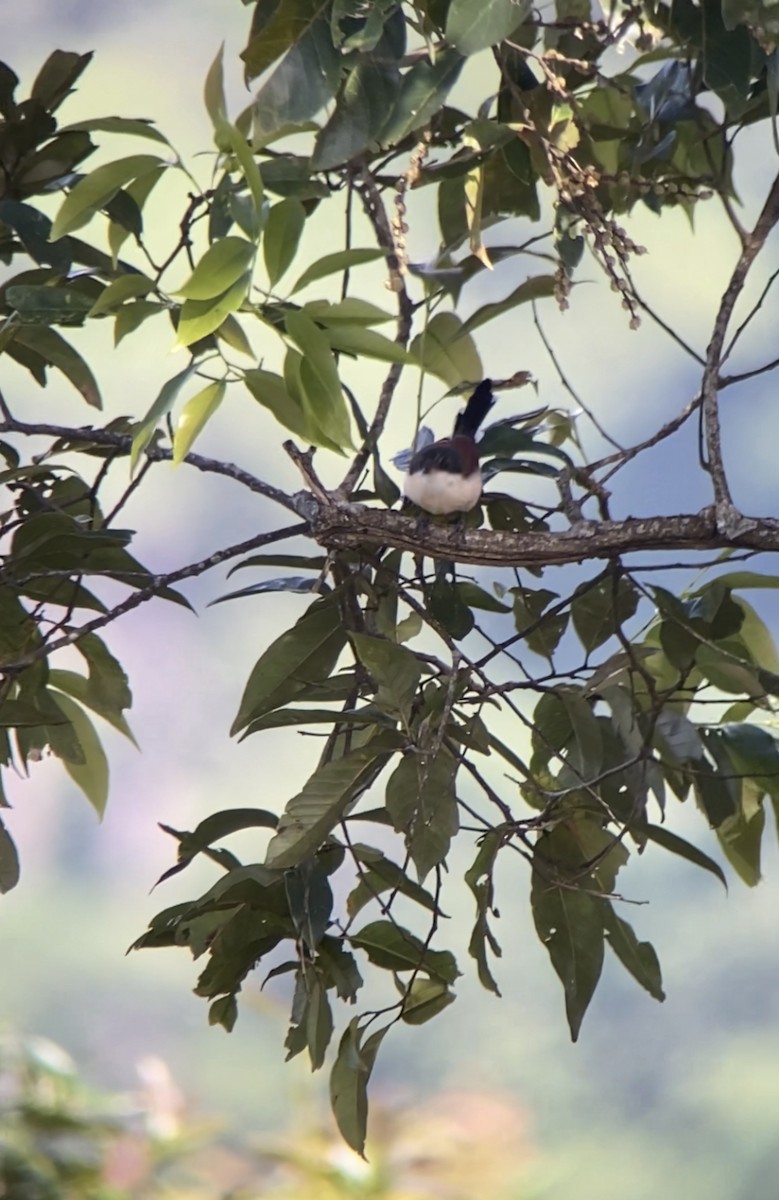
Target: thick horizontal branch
pixel 354 526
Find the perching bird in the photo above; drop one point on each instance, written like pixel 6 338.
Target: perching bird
pixel 445 477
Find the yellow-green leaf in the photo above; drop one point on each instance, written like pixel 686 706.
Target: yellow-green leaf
pixel 126 287
pixel 282 233
pixel 201 317
pixel 221 265
pixel 91 775
pixel 194 415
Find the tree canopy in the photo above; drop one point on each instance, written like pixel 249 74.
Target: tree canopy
pixel 461 718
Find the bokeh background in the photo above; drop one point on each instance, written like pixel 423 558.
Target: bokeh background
pixel 679 1099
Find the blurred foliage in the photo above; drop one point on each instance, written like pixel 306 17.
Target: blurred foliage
pixel 59 1140
pixel 627 677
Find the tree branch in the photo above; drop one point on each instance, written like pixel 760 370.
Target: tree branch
pixel 122 443
pixel 350 526
pixel 752 245
pixel 148 593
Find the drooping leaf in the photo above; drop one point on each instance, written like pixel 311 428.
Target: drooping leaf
pixel 194 416
pixel 91 774
pixel 638 958
pixel 393 948
pixel 144 430
pixel 396 671
pixel 9 861
pixel 366 96
pixel 349 1083
pixel 53 350
pixel 283 229
pixel 304 81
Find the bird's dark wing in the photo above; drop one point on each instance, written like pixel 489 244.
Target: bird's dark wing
pixel 441 456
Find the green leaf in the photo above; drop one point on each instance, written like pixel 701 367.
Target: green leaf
pixel 425 999
pixel 349 311
pixel 319 1021
pixel 275 29
pixel 283 228
pixel 537 287
pixel 597 612
pixel 303 82
pixel 366 343
pixel 397 671
pixel 91 774
pixel 56 352
pixel 131 316
pixel 221 265
pixel 224 1012
pixel 143 431
pixel 638 958
pixel 95 190
pixel 40 304
pixel 214 91
pixel 136 126
pixel 379 874
pixel 349 1083
pixel 77 687
pixel 332 264
pixel 194 416
pixel 479 880
pixel 201 317
pixel 231 331
pixel 422 93
pixel 322 394
pixel 473 27
pixel 393 948
pixel 304 654
pixel 446 352
pixel 363 102
pixel 126 287
pixel 310 816
pixel 269 390
pixel 421 799
pixel 569 923
pixel 748 579
pixel 677 845
pixel 56 77
pixel 310 900
pixel 9 861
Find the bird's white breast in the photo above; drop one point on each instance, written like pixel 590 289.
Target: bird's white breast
pixel 441 492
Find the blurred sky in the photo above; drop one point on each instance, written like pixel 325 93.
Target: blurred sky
pixel 640 1068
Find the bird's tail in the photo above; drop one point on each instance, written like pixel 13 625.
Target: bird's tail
pixel 476 409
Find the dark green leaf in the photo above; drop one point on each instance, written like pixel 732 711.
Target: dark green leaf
pixel 349 1083
pixel 678 845
pixel 303 82
pixel 56 352
pixel 310 816
pixel 422 93
pixel 471 27
pixel 638 958
pixel 395 949
pixel 396 671
pixel 304 654
pixel 597 612
pixel 425 999
pixel 363 102
pixel 9 861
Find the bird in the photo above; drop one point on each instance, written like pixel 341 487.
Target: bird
pixel 445 477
